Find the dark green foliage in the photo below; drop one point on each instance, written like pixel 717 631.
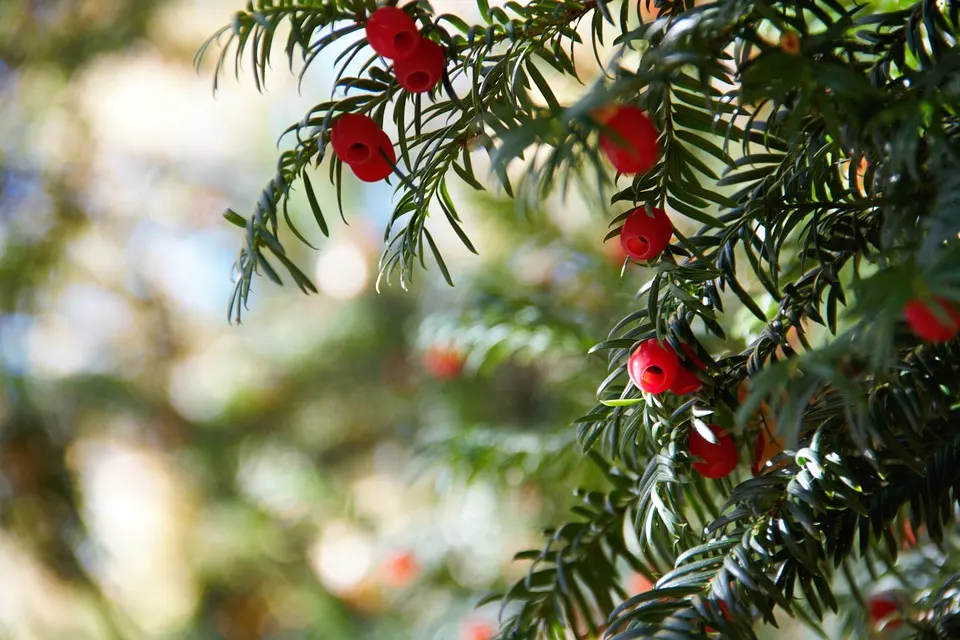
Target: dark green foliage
pixel 71 35
pixel 825 180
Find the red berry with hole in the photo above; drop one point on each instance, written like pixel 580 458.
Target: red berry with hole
pixel 614 251
pixel 645 233
pixel 355 138
pixel 392 33
pixel 717 460
pixel 422 70
pixel 377 168
pixel 686 381
pixel 653 368
pixel 884 611
pixel 924 321
pixel 629 140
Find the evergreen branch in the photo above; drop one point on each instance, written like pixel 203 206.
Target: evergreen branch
pixel 835 224
pixel 498 76
pixel 774 528
pixel 485 452
pixel 847 165
pixel 572 582
pixel 938 617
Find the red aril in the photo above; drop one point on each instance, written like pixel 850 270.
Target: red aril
pixel 422 70
pixel 716 460
pixel 646 232
pixel 392 33
pixel 629 140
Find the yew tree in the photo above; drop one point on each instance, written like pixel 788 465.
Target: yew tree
pixel 795 164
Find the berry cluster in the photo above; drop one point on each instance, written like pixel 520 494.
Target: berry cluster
pixel 363 146
pixel 630 144
pixel 418 62
pixel 418 65
pixel 656 368
pixel 629 141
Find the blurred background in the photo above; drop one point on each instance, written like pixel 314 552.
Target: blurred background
pixel 345 465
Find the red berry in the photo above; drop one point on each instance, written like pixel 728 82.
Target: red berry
pixel 926 324
pixel 443 363
pixel 882 606
pixel 377 168
pixel 392 33
pixel 355 137
pixel 653 368
pixel 400 569
pixel 639 583
pixel 686 381
pixel 645 234
pixel 692 357
pixel 790 42
pixel 421 70
pixel 718 459
pixel 726 614
pixel 631 143
pixel 477 630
